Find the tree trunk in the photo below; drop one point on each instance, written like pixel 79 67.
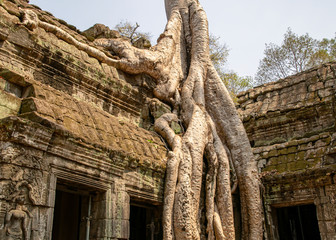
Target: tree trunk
pixel 187 80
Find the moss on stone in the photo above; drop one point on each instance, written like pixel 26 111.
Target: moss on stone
pixel 292 149
pixel 280 167
pixel 276 188
pixel 283 159
pixel 283 151
pixel 300 155
pixel 6 112
pixel 291 157
pixel 176 127
pixel 2 83
pixel 276 140
pixel 9 101
pixel 327 140
pixel 272 153
pixel 312 162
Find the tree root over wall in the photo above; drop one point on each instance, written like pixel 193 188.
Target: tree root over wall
pixel 187 80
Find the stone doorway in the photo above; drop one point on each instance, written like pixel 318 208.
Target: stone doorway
pixel 298 223
pixel 72 212
pixel 145 222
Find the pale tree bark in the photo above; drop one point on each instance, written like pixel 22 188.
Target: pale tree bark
pixel 186 79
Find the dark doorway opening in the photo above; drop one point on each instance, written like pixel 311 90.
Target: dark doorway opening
pixel 298 223
pixel 71 212
pixel 145 222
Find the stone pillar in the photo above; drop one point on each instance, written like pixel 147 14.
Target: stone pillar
pixel 103 214
pixel 121 221
pixel 110 214
pixel 326 212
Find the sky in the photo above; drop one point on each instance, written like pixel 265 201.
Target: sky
pixel 245 26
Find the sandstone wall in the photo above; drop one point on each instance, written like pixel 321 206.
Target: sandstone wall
pixel 68 121
pixel 291 126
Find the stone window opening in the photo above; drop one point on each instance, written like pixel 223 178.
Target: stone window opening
pixel 297 222
pixel 72 212
pixel 13 89
pixel 12 83
pixel 145 222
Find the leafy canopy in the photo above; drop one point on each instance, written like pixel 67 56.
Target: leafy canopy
pixel 294 55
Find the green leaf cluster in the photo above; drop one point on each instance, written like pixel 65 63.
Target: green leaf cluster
pixel 131 31
pixel 295 54
pixel 234 83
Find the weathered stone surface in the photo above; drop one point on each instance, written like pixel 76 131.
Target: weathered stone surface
pixel 100 31
pixel 67 121
pixel 291 125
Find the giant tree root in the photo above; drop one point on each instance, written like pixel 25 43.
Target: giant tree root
pixel 186 79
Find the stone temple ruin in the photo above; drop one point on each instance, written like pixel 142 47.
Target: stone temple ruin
pixel 79 159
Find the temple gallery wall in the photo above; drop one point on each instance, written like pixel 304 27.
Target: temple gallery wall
pixel 79 158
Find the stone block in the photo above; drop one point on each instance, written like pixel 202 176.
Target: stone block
pixel 291 157
pixel 292 149
pixel 123 205
pixel 329 212
pixel 120 229
pixel 281 167
pixel 300 156
pixel 324 199
pixel 330 226
pixel 324 236
pixel 330 83
pixel 106 196
pixel 102 228
pixel 104 209
pixel 51 198
pixel 272 153
pixel 324 92
pixel 6 112
pixel 4 34
pixel 328 236
pixel 261 163
pixel 320 213
pixel 125 228
pixel 273 161
pixel 315 86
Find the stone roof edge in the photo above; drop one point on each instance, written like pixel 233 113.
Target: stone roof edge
pixel 40 132
pixel 281 83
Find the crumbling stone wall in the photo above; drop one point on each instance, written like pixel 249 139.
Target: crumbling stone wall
pixel 68 119
pixel 291 126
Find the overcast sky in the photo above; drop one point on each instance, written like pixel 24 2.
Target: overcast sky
pixel 244 25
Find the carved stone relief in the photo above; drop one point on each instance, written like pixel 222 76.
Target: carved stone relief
pixel 18 219
pixel 23 164
pixel 23 193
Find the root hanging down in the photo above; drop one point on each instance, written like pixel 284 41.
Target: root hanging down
pixel 186 79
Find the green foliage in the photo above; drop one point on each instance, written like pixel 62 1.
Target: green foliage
pixel 233 82
pixel 294 55
pixel 130 31
pixel 325 52
pixel 218 52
